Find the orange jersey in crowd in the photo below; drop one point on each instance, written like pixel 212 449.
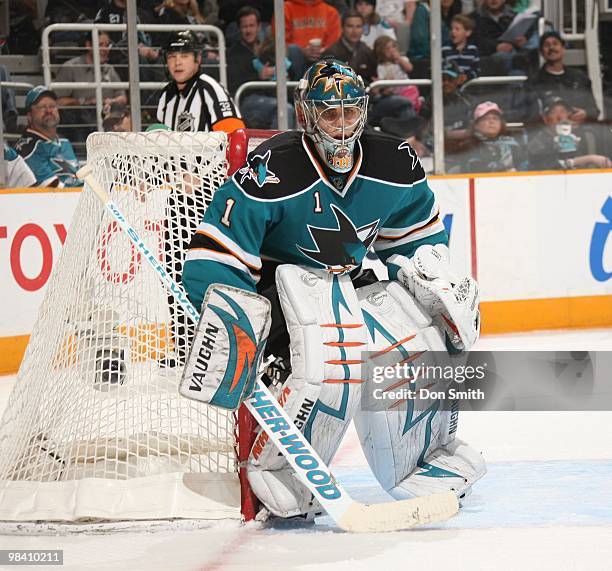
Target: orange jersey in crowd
pixel 306 20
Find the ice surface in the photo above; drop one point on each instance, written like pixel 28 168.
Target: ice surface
pixel 546 503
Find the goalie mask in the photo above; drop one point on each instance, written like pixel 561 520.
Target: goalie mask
pixel 331 106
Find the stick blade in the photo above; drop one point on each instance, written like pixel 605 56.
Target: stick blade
pixel 396 516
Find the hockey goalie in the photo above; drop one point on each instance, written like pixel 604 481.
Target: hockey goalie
pixel 293 226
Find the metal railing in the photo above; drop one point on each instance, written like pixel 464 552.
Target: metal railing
pixel 257 85
pixel 485 80
pixel 100 85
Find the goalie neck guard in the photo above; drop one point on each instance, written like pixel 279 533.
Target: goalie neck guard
pixel 331 106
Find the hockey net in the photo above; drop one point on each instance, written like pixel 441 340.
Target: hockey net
pixel 95 429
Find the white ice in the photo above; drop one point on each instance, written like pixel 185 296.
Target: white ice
pixel 546 503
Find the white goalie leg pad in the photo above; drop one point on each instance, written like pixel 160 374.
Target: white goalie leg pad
pixel 452 301
pixel 399 441
pixel 453 467
pixel 327 337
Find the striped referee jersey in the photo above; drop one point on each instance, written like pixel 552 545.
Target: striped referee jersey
pixel 202 105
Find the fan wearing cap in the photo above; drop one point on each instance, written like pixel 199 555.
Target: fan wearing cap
pixel 559 144
pixel 492 150
pixel 51 158
pixel 193 101
pixel 554 78
pixel 457 108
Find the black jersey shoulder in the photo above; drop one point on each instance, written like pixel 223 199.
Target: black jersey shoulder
pixel 389 158
pixel 26 144
pixel 278 168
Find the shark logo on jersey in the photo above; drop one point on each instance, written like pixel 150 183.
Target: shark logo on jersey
pixel 411 152
pixel 257 170
pixel 64 166
pixel 340 249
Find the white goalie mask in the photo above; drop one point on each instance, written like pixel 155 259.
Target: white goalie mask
pixel 331 105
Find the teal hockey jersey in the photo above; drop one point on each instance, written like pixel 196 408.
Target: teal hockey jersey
pixel 283 206
pixel 52 161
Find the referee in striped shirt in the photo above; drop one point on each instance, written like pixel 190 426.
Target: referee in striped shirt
pixel 190 102
pixel 193 101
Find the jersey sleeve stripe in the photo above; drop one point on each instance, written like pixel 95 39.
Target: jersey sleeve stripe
pixel 205 255
pixel 229 245
pixel 397 233
pixel 430 229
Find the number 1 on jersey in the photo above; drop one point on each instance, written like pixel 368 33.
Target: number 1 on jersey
pixel 225 219
pixel 317 198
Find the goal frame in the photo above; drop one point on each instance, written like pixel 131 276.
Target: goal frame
pixel 244 425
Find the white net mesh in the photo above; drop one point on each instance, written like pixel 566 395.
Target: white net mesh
pixel 95 426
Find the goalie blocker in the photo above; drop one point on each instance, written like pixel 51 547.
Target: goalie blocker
pixel 224 359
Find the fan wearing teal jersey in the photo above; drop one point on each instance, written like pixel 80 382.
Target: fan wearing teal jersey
pixel 312 203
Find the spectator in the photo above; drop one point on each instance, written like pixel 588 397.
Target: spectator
pixel 420 40
pixel 374 25
pixel 457 120
pixel 241 55
pixel 9 107
pixel 392 103
pixel 457 117
pixel 450 8
pixel 555 78
pixel 18 173
pixel 562 145
pixel 227 15
pixel 491 20
pixel 396 12
pixel 341 6
pixel 81 69
pixel 393 65
pixel 50 157
pixel 210 12
pixel 249 60
pixel 460 50
pixel 23 38
pixel 118 119
pixel 259 109
pixel 187 12
pixel 312 25
pixel 500 41
pixel 115 12
pixel 62 12
pixel 180 12
pixel 491 149
pixel 352 50
pixel 520 6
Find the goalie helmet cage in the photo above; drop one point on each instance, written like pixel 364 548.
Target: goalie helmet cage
pixel 95 430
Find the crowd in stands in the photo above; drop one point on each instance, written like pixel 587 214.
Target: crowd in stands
pixel 548 122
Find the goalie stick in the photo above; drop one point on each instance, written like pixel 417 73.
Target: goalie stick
pixel 347 513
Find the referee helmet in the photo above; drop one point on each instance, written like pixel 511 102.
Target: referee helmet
pixel 184 42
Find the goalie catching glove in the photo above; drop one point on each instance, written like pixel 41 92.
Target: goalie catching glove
pixel 452 302
pixel 224 360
